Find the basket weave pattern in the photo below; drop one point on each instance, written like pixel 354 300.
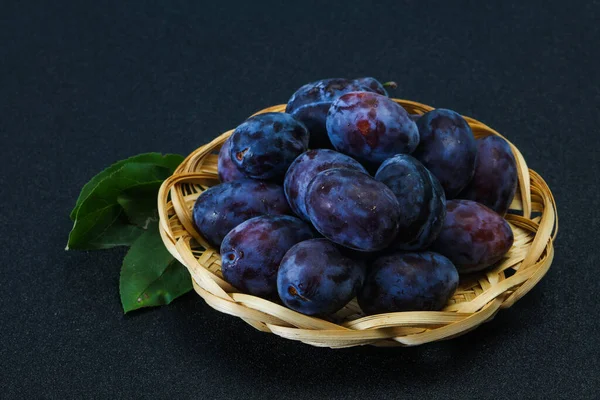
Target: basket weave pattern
pixel 477 299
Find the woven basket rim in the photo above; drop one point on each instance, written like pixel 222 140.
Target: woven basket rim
pixel 479 297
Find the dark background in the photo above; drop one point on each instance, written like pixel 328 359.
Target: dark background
pixel 84 85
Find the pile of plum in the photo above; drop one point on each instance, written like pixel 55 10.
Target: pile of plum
pixel 347 195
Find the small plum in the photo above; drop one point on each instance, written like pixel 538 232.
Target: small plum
pixel 315 278
pixel 408 282
pixel 252 251
pixel 264 146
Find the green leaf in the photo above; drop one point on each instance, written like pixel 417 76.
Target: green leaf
pixel 117 235
pixel 139 204
pixel 170 161
pixel 100 220
pixel 150 276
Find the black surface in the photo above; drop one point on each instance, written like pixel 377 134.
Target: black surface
pixel 84 85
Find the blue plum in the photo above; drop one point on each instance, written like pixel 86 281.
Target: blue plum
pixel 374 85
pixel 495 180
pixel 264 146
pixel 304 169
pixel 447 149
pixel 222 207
pixel 408 282
pixel 421 198
pixel 311 102
pixel 352 209
pixel 226 169
pixel 252 251
pixel 314 116
pixel 370 127
pixel 328 90
pixel 315 278
pixel 474 237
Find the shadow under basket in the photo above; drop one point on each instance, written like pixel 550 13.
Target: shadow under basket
pixel 478 298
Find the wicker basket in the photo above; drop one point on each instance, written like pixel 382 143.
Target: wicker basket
pixel 476 301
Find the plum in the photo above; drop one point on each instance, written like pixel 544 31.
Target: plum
pixel 311 102
pixel 421 198
pixel 303 170
pixel 222 207
pixel 313 116
pixel 373 85
pixel 474 237
pixel 332 88
pixel 252 251
pixel 447 148
pixel 495 180
pixel 315 278
pixel 423 281
pixel 226 169
pixel 264 146
pixel 352 209
pixel 370 127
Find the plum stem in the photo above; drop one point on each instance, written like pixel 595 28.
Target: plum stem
pixel 391 85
